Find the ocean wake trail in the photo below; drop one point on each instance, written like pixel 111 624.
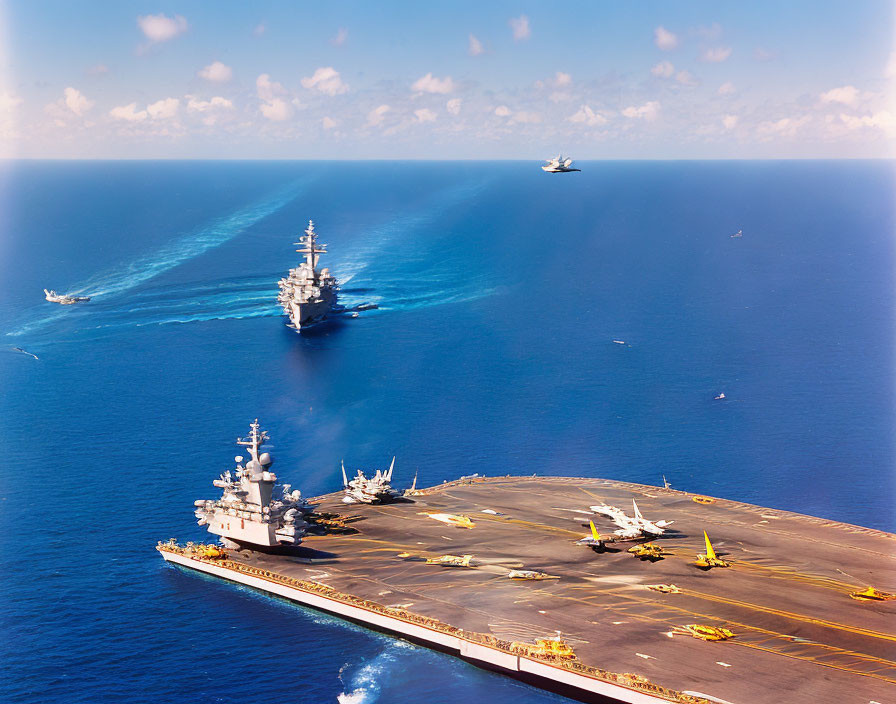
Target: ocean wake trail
pixel 111 283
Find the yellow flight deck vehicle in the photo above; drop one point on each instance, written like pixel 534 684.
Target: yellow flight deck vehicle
pixel 648 551
pixel 451 561
pixel 553 648
pixel 872 594
pixel 709 559
pixel 704 632
pixel 210 552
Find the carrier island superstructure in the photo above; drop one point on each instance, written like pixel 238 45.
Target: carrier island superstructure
pixel 248 512
pixel 308 294
pixel 780 607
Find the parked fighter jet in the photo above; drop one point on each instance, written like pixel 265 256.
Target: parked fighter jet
pixel 710 559
pixel 369 490
pixel 631 527
pixel 593 540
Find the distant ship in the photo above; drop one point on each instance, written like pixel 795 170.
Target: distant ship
pixel 739 233
pixel 64 299
pixel 558 165
pixel 307 294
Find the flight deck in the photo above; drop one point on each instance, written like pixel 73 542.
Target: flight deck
pixel 797 634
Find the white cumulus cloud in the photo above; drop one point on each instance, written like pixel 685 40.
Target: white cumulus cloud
pixel 210 109
pixel 216 72
pixel 664 39
pixel 431 84
pixel 502 111
pixel 328 123
pixel 266 88
pixel 128 113
pixel 325 80
pixel 76 101
pixel 879 120
pixel 562 79
pixel 520 27
pixel 716 55
pixel 376 116
pixel 424 115
pixel 163 109
pixel 648 111
pixel 845 94
pixel 475 47
pixel 663 69
pixel 730 121
pixel 161 28
pixel 276 109
pixel 216 103
pixel 453 106
pixel 589 117
pixel 727 88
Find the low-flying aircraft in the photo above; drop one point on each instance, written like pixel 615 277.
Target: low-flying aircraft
pixel 631 527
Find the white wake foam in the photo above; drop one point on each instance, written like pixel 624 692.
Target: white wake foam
pixel 150 265
pixel 364 686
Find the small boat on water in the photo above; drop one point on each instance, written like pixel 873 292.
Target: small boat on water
pixel 720 397
pixel 63 298
pixel 739 233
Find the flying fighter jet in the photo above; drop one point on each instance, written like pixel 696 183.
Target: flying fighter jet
pixel 631 527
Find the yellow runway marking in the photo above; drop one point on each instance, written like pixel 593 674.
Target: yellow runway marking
pixel 790 615
pixel 833 649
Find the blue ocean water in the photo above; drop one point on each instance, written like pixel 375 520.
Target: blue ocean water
pixel 501 290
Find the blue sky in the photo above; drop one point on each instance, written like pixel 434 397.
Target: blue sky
pixel 439 80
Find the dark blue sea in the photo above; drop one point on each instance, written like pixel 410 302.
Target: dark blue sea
pixel 501 290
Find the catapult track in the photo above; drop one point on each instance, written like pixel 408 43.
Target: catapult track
pixel 836 641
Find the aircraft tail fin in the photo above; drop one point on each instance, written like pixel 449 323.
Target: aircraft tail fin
pixel 594 533
pixel 638 515
pixel 344 478
pixel 391 467
pixel 710 553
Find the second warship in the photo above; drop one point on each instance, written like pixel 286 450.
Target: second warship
pixel 307 294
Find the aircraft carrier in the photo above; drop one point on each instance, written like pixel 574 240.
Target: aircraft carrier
pixel 788 609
